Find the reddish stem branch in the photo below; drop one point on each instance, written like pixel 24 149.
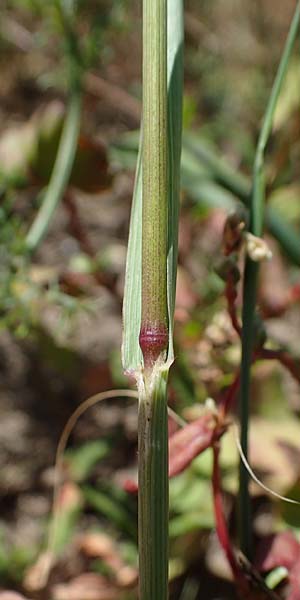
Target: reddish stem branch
pixel 284 358
pixel 231 297
pixel 76 227
pixel 221 525
pixel 78 232
pixel 227 401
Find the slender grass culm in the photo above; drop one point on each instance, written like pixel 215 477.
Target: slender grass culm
pixel 69 137
pixel 153 337
pixel 257 210
pixel 150 279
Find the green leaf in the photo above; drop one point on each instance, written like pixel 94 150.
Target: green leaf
pixel 276 577
pixel 86 457
pixel 110 508
pixel 131 353
pixel 60 173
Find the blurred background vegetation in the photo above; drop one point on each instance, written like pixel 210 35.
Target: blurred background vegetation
pixel 60 305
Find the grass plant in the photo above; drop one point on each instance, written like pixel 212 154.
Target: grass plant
pixel 149 300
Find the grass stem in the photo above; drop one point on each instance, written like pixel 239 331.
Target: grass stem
pixel 154 323
pixel 250 284
pixel 154 333
pixel 153 492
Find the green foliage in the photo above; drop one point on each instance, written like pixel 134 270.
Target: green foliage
pixel 14 559
pixel 112 507
pixel 84 459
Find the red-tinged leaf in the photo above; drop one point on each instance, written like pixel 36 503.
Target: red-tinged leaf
pixel 294 593
pixel 192 440
pixel 295 293
pixel 294 581
pixel 281 549
pixel 186 444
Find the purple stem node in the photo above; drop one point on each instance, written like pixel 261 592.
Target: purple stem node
pixel 153 341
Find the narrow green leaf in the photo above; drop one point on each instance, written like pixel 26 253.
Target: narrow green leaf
pixel 68 141
pixel 60 174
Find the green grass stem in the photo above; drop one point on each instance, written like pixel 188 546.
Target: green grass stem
pixel 155 176
pixel 153 522
pixel 154 335
pixel 150 281
pixel 250 284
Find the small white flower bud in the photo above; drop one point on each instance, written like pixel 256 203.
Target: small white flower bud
pixel 257 248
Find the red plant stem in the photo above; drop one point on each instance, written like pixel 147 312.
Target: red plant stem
pixel 284 358
pixel 221 526
pixel 231 296
pixel 77 230
pixel 76 225
pixel 229 397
